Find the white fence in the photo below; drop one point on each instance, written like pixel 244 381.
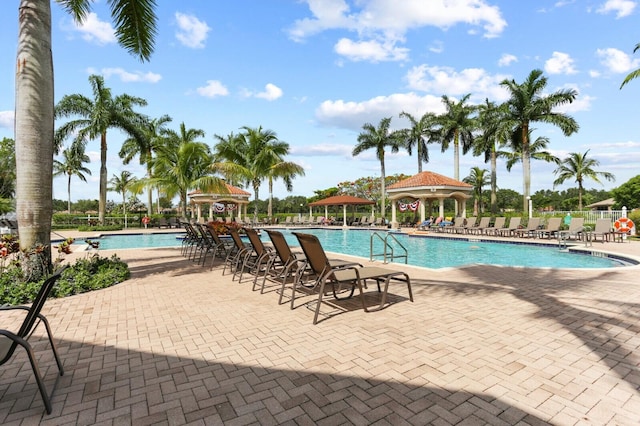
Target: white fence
pixel 590 216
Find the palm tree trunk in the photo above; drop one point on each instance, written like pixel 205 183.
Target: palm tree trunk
pixel 149 194
pixel 419 149
pixel 256 187
pixel 69 195
pixel 494 183
pixel 34 134
pixel 456 165
pixel 102 202
pixel 382 188
pixel 526 167
pixel 270 206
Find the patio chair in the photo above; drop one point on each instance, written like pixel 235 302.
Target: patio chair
pixel 497 227
pixel 10 340
pixel 514 225
pixel 531 230
pixel 351 276
pixel 480 226
pixel 218 247
pixel 257 260
pixel 236 254
pixel 576 227
pixel 162 222
pixel 552 229
pixel 603 229
pixel 459 225
pixel 190 241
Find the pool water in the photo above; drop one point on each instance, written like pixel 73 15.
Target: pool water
pixel 425 252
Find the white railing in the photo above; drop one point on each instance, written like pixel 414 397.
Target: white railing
pixel 590 216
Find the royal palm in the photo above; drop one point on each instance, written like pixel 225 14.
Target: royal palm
pixel 135 25
pixel 72 165
pixel 419 135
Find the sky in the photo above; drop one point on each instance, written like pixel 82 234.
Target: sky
pixel 315 71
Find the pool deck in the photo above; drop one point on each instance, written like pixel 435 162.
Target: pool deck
pixel 182 344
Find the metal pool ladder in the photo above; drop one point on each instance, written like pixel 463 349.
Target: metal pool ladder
pixel 389 254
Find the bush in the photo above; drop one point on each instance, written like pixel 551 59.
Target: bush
pixel 85 275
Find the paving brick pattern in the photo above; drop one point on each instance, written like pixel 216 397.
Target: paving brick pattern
pixel 180 344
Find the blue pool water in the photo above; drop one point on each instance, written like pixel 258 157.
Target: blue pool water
pixel 426 252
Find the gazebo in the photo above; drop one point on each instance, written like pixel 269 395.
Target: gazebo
pixel 429 187
pixel 340 200
pixel 236 198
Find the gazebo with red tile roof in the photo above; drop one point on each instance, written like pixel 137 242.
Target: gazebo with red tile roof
pixel 340 200
pixel 238 198
pixel 428 187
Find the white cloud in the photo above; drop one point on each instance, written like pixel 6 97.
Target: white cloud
pixel 507 59
pixel 371 50
pixel 622 8
pixel 7 119
pixel 271 92
pixel 322 150
pixel 445 80
pixel 352 115
pixel 95 30
pixel 559 63
pixel 129 77
pixel 212 89
pixel 616 60
pixel 192 32
pixel 437 47
pixel 381 24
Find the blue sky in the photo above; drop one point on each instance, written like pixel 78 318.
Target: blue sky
pixel 315 71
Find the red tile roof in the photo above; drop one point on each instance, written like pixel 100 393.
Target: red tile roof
pixel 232 190
pixel 338 200
pixel 428 179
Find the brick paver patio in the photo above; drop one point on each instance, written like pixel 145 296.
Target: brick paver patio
pixel 180 344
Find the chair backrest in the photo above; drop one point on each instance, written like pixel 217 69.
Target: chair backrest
pixel 314 253
pixel 280 245
pixel 459 221
pixel 236 238
pixel 500 221
pixel 214 236
pixel 255 241
pixel 471 221
pixel 577 223
pixel 484 222
pixel 533 223
pixel 553 224
pixel 603 225
pixel 514 222
pixel 38 302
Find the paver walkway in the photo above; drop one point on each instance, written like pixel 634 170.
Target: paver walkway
pixel 180 344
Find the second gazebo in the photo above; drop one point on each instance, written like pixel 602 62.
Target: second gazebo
pixel 429 187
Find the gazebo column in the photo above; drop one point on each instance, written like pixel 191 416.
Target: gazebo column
pixel 463 204
pixel 326 212
pixel 423 216
pixel 310 213
pixel 211 211
pixel 199 209
pixel 394 221
pixel 441 207
pixel 344 215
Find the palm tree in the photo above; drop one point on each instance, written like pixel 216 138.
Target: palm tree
pixel 135 23
pixel 183 163
pixel 457 125
pixel 537 151
pixel 252 156
pixel 123 184
pixel 527 104
pixel 72 165
pixel 633 74
pixel 419 135
pixel 580 167
pixel 379 138
pixel 97 116
pixel 493 133
pixel 143 145
pixel 478 179
pixel 7 168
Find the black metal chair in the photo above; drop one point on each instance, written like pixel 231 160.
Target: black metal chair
pixel 10 340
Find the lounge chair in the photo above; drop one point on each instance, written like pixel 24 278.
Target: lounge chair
pixel 552 229
pixel 497 227
pixel 352 276
pixel 576 227
pixel 531 230
pixel 162 222
pixel 458 224
pixel 261 256
pixel 480 226
pixel 236 255
pixel 514 225
pixel 10 340
pixel 460 227
pixel 603 229
pixel 219 247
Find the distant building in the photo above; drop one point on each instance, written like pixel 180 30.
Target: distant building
pixel 602 205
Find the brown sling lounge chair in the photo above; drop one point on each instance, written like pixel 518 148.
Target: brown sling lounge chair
pixel 354 277
pixel 11 340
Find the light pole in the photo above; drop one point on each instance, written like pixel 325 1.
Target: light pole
pixel 530 203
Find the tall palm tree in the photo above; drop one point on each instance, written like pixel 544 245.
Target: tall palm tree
pixel 97 116
pixel 122 184
pixel 287 171
pixel 478 179
pixel 633 74
pixel 580 167
pixel 143 145
pixel 457 125
pixel 252 156
pixel 135 24
pixel 537 151
pixel 379 138
pixel 493 134
pixel 7 168
pixel 527 103
pixel 183 163
pixel 72 165
pixel 419 135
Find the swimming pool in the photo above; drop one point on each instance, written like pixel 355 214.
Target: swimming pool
pixel 426 252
